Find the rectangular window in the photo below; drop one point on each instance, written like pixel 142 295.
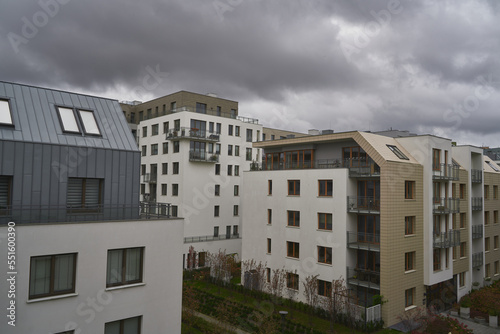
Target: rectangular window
pixel 164 189
pixel 268 275
pixel 437 259
pixel 141 116
pixel 230 130
pixel 229 170
pixel 269 216
pixel 229 149
pixel 409 297
pixel 292 249
pixel 235 210
pixel 497 265
pixel 174 210
pixel 84 194
pixel 201 108
pixel 165 127
pixel 236 190
pixel 463 218
pixel 462 249
pixel 462 191
pixel 211 148
pixel 409 225
pixel 144 150
pixel 237 130
pixel 176 146
pixel 236 170
pixel 292 281
pixel 149 113
pixel 495 217
pixel 235 230
pixel 211 127
pixel 461 279
pixel 487 244
pixel 324 288
pixel 89 123
pixel 454 251
pixel 175 189
pixel 68 120
pixel 218 128
pixel 175 168
pixel 249 135
pixel 144 131
pixel 143 189
pixel 409 189
pixel 126 326
pixel 294 187
pixel 495 192
pixel 397 152
pixel 217 169
pixel 486 217
pixel 217 190
pixel 486 191
pixel 154 129
pixel 5 194
pixel 495 242
pixel 165 148
pixel 269 187
pixel 202 259
pixel 325 255
pixel 5 114
pixel 325 188
pixel 269 245
pixel 325 221
pixel 249 154
pixel 216 231
pixel 154 149
pixel 216 211
pixel 164 168
pixel 143 169
pixel 409 261
pixel 52 275
pixel 436 159
pixel 293 218
pixel 124 266
pixel 236 150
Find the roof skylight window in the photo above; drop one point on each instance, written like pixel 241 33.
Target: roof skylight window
pixel 68 120
pixel 493 165
pixel 5 116
pixel 89 122
pixel 398 152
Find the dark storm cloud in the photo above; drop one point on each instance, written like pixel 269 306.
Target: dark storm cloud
pixel 293 63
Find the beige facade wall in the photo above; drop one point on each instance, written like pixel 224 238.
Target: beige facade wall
pixel 492 230
pixel 269 132
pixel 461 265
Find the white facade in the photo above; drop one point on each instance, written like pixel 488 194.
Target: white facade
pixel 157 299
pixel 196 181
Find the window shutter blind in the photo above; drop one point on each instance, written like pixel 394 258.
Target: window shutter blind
pixel 4 191
pixel 91 193
pixel 75 189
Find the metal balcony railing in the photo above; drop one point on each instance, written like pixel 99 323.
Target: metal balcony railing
pixel 192 133
pixel 445 205
pixel 362 277
pixel 35 214
pixel 445 172
pixel 477 231
pixel 188 240
pixel 476 203
pixel 446 239
pixel 363 204
pixel 203 156
pixel 216 113
pixel 149 178
pixel 477 259
pixel 365 241
pixel 476 175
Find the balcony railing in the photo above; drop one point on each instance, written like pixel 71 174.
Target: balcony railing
pixel 477 259
pixel 445 172
pixel 365 241
pixel 188 240
pixel 59 213
pixel 202 156
pixel 477 231
pixel 193 133
pixel 362 277
pixel 476 203
pixel 217 113
pixel 149 178
pixel 476 175
pixel 363 204
pixel 445 205
pixel 447 239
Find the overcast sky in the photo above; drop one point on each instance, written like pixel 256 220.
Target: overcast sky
pixel 424 66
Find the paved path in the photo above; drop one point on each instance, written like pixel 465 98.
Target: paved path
pixel 478 328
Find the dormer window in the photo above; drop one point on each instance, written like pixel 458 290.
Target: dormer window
pixel 78 122
pixel 5 115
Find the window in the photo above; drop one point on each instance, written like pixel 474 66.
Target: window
pixel 454 251
pixel 84 194
pixel 175 168
pixel 174 210
pixel 249 135
pixel 409 297
pixel 461 279
pixel 325 221
pixel 210 148
pixel 292 281
pixel 463 218
pixel 487 244
pixel 236 190
pixel 229 149
pixel 235 210
pixel 236 170
pixel 462 249
pixel 176 146
pixel 52 275
pixel 249 154
pixel 436 159
pixel 149 113
pixel 437 259
pixel 235 230
pixel 269 187
pixel 67 117
pixel 5 194
pixel 237 150
pixel 495 242
pixel 272 137
pixel 201 108
pixel 124 266
pixel 486 191
pixel 217 169
pixel 409 189
pixel 493 166
pixel 202 259
pixel 165 148
pixel 216 211
pixel 325 188
pixel 293 218
pixel 269 245
pixel 229 170
pixel 154 129
pixel 211 127
pixel 397 152
pixel 495 217
pixel 218 127
pixel 292 249
pixel 325 255
pixel 294 187
pixel 141 116
pixel 217 148
pixel 164 189
pixel 462 191
pixel 324 288
pixel 268 275
pixel 237 130
pixel 497 265
pixel 67 332
pixel 216 231
pixel 177 124
pixel 217 190
pixel 89 123
pixel 486 217
pixel 144 150
pixel 173 105
pixel 495 192
pixel 164 168
pixel 154 149
pixel 5 115
pixel 165 127
pixel 409 261
pixel 269 216
pixel 230 130
pixel 175 189
pixel 409 225
pixel 144 131
pixel 143 169
pixel 143 189
pixel 126 326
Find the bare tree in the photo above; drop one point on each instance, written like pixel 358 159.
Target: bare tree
pixel 278 281
pixel 311 293
pixel 413 318
pixel 255 273
pixel 221 266
pixel 192 261
pixel 335 302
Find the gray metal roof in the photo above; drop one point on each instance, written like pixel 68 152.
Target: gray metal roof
pixel 36 119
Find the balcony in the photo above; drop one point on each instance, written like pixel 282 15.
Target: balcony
pixel 445 172
pixel 189 240
pixel 477 231
pixel 365 241
pixel 216 113
pixel 446 239
pixel 476 203
pixel 362 277
pixel 477 259
pixel 444 205
pixel 36 214
pixel 149 178
pixel 192 134
pixel 476 175
pixel 363 204
pixel 202 156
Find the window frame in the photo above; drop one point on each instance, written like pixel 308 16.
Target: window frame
pixel 216 211
pixel 73 118
pixel 82 205
pixel 323 224
pixel 175 168
pixel 165 148
pixel 293 249
pixel 325 255
pixel 8 112
pixel 397 152
pixel 269 245
pixel 6 210
pixel 325 184
pixel 293 187
pixel 410 261
pixel 269 216
pixel 154 149
pixel 409 297
pixel 463 250
pixel 269 187
pixel 122 324
pixel 236 210
pixel 124 281
pixel 84 122
pixel 296 218
pixel 292 281
pixel 410 189
pixel 51 292
pixel 410 225
pixel 324 288
pixel 217 190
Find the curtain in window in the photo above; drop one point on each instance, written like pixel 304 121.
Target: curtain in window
pixel 63 272
pixel 112 328
pixel 40 275
pixel 133 264
pixel 131 326
pixel 114 270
